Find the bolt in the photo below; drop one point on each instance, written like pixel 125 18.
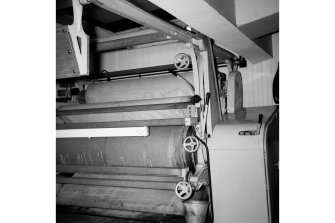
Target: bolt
pixel 64 30
pixel 188 45
pixel 69 51
pixel 74 71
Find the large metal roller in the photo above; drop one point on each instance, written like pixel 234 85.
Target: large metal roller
pixel 162 148
pixel 164 86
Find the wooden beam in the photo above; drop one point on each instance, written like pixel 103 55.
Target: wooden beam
pixel 130 42
pixel 200 15
pixel 136 123
pixel 221 53
pixel 182 105
pixel 130 11
pixel 123 35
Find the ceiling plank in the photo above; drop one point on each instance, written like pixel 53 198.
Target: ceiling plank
pixel 213 24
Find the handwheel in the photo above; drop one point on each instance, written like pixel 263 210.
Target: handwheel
pixel 183 190
pixel 182 61
pixel 191 144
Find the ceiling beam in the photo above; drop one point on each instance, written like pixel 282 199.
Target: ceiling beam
pixel 200 15
pixel 130 11
pixel 221 53
pixel 124 35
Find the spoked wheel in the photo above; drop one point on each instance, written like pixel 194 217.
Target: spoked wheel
pixel 191 144
pixel 183 190
pixel 182 61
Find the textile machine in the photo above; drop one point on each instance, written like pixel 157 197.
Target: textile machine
pixel 168 145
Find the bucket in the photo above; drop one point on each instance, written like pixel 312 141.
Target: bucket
pixel 196 211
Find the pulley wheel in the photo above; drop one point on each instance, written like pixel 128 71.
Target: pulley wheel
pixel 183 190
pixel 182 61
pixel 191 144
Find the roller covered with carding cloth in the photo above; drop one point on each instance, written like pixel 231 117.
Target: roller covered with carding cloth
pixel 162 148
pixel 154 87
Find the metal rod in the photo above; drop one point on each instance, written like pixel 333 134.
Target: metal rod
pixel 169 179
pixel 182 105
pixel 122 170
pixel 117 183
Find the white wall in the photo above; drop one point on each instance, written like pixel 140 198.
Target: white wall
pixel 258 78
pixel 251 10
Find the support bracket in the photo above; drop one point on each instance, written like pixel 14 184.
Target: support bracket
pixel 79 39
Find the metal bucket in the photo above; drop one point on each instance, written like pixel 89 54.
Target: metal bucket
pixel 196 211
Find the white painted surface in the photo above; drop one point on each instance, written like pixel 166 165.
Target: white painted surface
pixel 102 132
pixel 238 186
pixel 250 10
pixel 258 79
pixel 229 135
pixel 76 30
pixel 238 169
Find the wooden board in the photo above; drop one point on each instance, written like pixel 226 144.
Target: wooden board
pixel 135 123
pixel 65 61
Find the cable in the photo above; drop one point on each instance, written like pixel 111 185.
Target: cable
pixel 202 142
pixel 177 75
